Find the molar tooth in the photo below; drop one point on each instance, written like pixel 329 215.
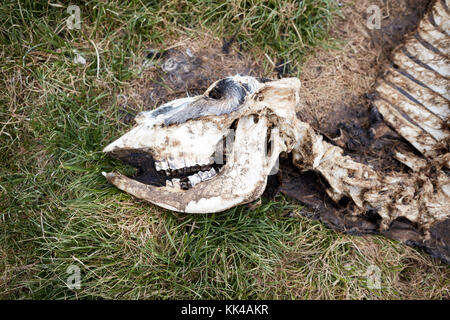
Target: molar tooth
pixel 212 173
pixel 171 164
pixel 169 183
pixel 203 175
pixel 194 179
pixel 180 164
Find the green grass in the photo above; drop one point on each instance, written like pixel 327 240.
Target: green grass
pixel 57 210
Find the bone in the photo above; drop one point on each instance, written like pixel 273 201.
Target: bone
pixel 433 36
pixel 413 96
pixel 428 121
pixel 239 182
pixel 194 179
pixel 428 57
pixel 425 96
pixel 441 16
pixel 164 165
pixel 211 173
pixel 173 165
pixel 176 183
pixel 430 78
pixel 203 175
pixel 412 161
pixel 190 163
pixel 393 195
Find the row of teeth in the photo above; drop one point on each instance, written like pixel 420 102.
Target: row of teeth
pixel 192 180
pixel 185 171
pixel 173 165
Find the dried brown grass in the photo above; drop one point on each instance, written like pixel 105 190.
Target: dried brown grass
pixel 334 82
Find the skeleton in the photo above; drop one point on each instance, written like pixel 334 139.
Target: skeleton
pixel 184 166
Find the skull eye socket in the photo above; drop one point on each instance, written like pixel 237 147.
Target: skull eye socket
pixel 220 89
pixel 215 93
pixel 228 89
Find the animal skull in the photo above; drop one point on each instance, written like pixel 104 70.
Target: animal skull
pixel 184 139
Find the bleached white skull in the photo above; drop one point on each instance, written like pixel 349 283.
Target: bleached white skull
pixel 210 152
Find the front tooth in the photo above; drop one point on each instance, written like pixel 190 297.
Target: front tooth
pixel 194 179
pixel 158 166
pixel 164 165
pixel 189 163
pixel 176 183
pixel 181 164
pixel 173 164
pixel 203 162
pixel 169 184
